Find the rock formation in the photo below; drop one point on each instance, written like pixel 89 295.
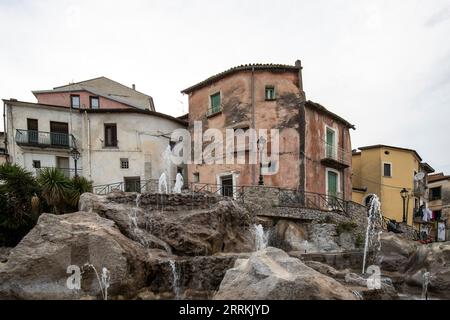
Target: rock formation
pixel 273 274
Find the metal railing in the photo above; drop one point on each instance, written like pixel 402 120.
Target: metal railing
pixel 45 139
pixel 298 198
pixel 419 189
pixel 282 197
pixel 212 111
pixel 152 186
pixel 336 153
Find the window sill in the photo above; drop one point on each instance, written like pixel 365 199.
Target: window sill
pixel 211 114
pixel 274 99
pixel 110 147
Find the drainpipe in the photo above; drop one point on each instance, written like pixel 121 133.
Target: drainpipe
pixel 88 129
pixel 253 119
pixel 344 171
pixel 301 129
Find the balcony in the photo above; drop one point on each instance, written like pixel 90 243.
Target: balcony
pixel 335 157
pixel 41 139
pixel 420 189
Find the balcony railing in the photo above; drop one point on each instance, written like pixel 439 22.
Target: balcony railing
pixel 45 139
pixel 213 111
pixel 335 157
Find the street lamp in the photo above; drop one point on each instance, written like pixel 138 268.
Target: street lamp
pixel 261 144
pixel 404 195
pixel 75 154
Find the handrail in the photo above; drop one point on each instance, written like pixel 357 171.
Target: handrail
pixel 45 139
pixel 286 197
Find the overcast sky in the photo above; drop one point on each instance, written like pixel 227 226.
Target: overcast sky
pixel 382 65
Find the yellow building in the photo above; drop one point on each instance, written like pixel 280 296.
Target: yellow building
pixel 385 171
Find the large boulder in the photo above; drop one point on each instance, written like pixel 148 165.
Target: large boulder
pixel 273 274
pixel 395 251
pixel 187 229
pixel 291 235
pixel 435 259
pixel 37 268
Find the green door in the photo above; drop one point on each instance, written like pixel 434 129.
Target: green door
pixel 332 183
pixel 330 143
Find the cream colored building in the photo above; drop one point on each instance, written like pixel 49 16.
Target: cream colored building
pixel 115 145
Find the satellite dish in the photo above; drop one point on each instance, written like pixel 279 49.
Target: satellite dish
pixel 419 176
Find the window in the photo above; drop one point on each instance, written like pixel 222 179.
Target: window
pixel 172 144
pixel 75 101
pixel 110 135
pixel 270 93
pixel 387 169
pixel 196 177
pixel 94 102
pixel 435 193
pixel 124 163
pixel 331 149
pixel 36 164
pixel 215 103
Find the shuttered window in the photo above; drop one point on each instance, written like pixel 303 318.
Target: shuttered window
pixel 110 135
pixel 215 102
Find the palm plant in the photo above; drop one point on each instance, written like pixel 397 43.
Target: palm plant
pixel 56 188
pixel 78 186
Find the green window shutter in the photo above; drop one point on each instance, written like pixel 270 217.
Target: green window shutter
pixel 330 144
pixel 270 93
pixel 215 103
pixel 332 183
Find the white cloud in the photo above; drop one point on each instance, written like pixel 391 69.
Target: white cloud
pixel 383 65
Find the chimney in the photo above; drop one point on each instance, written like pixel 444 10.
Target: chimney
pixel 133 86
pixel 298 64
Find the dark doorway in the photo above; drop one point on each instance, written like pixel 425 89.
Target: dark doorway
pixel 132 184
pixel 59 133
pixel 227 186
pixel 32 127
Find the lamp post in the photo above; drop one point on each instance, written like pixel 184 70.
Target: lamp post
pixel 404 195
pixel 261 144
pixel 75 154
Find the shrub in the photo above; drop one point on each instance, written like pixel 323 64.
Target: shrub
pixel 78 186
pixel 345 227
pixel 56 188
pixel 359 240
pixel 18 212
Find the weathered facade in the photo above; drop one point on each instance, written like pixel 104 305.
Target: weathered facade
pixel 115 145
pixel 272 97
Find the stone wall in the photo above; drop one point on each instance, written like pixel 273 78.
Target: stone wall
pixel 167 202
pixel 305 229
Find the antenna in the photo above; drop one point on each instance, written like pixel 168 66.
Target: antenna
pixel 419 176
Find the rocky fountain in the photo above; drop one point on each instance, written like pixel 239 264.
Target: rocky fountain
pixel 203 246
